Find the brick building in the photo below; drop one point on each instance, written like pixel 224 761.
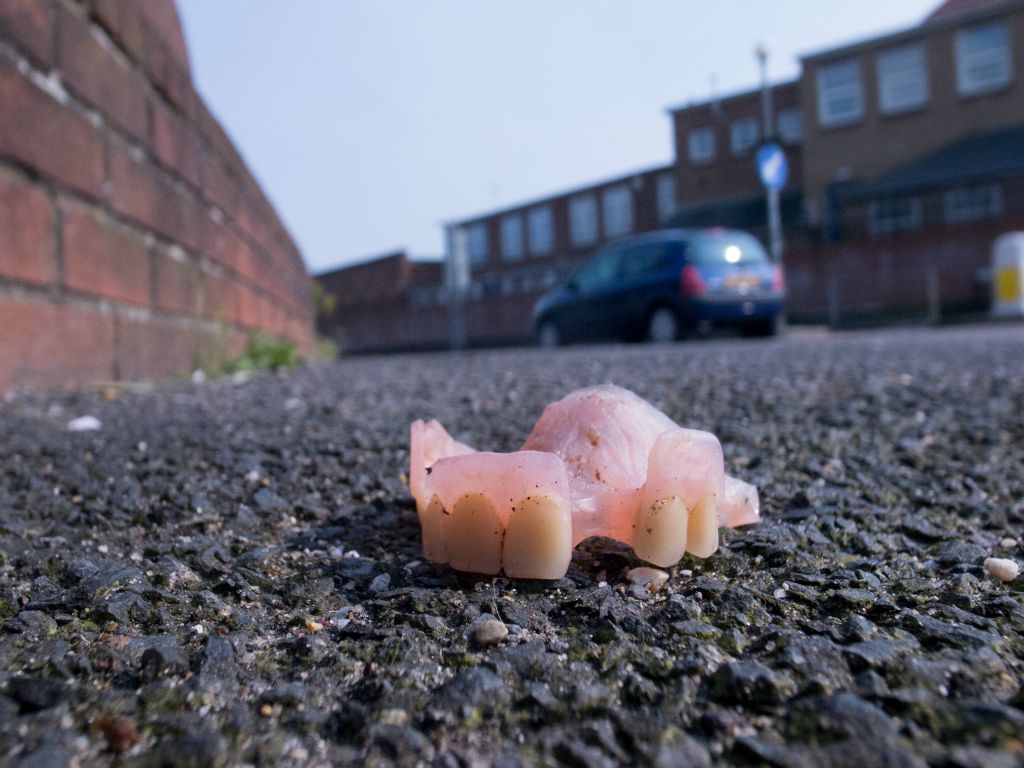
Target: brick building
pixel 134 241
pixel 905 153
pixel 386 303
pixel 912 162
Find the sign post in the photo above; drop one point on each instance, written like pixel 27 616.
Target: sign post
pixel 773 168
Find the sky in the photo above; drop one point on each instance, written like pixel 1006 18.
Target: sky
pixel 370 123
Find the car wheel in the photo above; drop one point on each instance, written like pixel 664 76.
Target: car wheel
pixel 548 335
pixel 662 326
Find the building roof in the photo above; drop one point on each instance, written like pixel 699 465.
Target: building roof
pixel 957 13
pixel 958 7
pixel 595 185
pixel 982 156
pixel 746 93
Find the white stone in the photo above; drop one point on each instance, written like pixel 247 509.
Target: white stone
pixel 1002 569
pixel 643 576
pixel 1008 543
pixel 84 424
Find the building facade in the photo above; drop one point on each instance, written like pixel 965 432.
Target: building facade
pixel 906 157
pixel 912 162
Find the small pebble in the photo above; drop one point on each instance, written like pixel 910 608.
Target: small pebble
pixel 84 424
pixel 489 632
pixel 380 583
pixel 1008 543
pixel 645 576
pixel 1002 569
pixel 342 618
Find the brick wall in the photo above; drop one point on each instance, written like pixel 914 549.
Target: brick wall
pixel 134 241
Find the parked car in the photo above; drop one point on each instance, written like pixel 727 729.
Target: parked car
pixel 661 285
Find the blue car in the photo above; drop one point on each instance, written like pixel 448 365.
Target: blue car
pixel 662 285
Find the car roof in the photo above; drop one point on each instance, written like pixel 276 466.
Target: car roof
pixel 667 235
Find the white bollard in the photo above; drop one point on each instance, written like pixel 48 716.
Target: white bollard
pixel 1008 275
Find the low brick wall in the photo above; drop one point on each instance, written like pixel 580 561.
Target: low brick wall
pixel 134 241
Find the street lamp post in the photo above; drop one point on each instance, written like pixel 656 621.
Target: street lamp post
pixel 768 130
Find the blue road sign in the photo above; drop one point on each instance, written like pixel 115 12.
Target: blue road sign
pixel 772 166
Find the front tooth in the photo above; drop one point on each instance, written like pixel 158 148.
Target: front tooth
pixel 661 531
pixel 472 535
pixel 538 539
pixel 702 532
pixel 430 525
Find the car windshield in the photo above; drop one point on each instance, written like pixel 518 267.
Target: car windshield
pixel 728 247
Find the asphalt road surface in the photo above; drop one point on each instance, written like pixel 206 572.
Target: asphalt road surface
pixel 229 573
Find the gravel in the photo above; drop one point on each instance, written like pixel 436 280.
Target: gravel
pixel 228 572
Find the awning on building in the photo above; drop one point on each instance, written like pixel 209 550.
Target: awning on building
pixel 981 157
pixel 742 213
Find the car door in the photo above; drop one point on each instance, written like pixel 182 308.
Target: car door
pixel 585 315
pixel 648 273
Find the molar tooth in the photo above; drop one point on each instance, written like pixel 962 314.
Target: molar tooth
pixel 472 535
pixel 538 539
pixel 661 531
pixel 433 537
pixel 702 531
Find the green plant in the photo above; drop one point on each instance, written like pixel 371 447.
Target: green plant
pixel 263 352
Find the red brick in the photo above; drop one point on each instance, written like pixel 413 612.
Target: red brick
pixel 51 138
pixel 177 145
pixel 95 73
pixel 250 307
pixel 142 192
pixel 221 299
pixel 104 258
pixel 153 348
pixel 161 16
pixel 26 232
pixel 218 188
pixel 221 244
pixel 124 22
pixel 158 348
pixel 164 70
pixel 178 285
pixel 50 345
pixel 29 25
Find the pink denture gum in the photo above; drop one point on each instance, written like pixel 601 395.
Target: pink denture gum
pixel 599 462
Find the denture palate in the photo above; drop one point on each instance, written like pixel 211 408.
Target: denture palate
pixel 599 462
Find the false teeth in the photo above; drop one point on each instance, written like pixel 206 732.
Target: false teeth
pixel 599 462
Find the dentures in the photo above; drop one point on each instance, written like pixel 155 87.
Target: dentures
pixel 599 462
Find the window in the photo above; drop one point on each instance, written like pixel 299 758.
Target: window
pixel 512 237
pixel 973 203
pixel 598 272
pixel 539 230
pixel 902 79
pixel 617 207
pixel 840 94
pixel 649 258
pixel 702 145
pixel 897 214
pixel 744 135
pixel 666 195
pixel 476 242
pixel 790 126
pixel 583 220
pixel 982 59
